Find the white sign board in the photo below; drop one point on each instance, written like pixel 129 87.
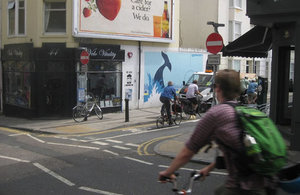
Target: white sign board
pixel 143 20
pixel 214 59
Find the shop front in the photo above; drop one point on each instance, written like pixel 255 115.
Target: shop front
pixel 102 75
pixel 56 78
pixel 18 79
pixel 38 82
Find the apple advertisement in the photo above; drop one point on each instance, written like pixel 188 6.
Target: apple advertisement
pixel 144 20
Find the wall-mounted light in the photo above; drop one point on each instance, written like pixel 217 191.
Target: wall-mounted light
pixel 129 54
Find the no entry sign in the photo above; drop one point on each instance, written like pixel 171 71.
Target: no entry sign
pixel 214 43
pixel 84 57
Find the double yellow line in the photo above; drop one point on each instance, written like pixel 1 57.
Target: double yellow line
pixel 143 148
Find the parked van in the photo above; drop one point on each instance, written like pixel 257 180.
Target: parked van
pixel 205 85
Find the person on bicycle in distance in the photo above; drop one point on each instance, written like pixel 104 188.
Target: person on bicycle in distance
pixel 220 123
pixel 166 96
pixel 191 92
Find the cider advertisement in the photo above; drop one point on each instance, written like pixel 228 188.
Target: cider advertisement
pixel 145 20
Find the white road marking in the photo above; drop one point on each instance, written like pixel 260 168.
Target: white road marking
pixel 15 159
pixel 60 178
pixel 39 140
pixel 97 191
pixel 218 173
pixel 130 144
pixel 114 153
pixel 70 145
pixel 187 169
pixel 129 134
pixel 17 134
pixel 121 147
pixel 163 166
pixel 100 143
pixel 114 141
pixel 137 160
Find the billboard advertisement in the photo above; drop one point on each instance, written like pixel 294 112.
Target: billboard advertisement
pixel 143 20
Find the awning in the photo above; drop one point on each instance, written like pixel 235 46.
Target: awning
pixel 254 43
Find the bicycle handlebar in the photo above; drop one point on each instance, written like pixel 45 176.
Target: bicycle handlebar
pixel 194 177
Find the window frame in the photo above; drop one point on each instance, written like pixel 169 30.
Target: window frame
pixel 233 35
pixel 235 4
pixel 44 16
pixel 16 8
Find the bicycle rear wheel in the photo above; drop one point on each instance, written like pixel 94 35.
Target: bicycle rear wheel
pixel 98 112
pixel 79 113
pixel 177 118
pixel 160 122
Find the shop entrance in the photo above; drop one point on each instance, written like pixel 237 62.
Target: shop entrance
pixel 286 59
pixel 55 89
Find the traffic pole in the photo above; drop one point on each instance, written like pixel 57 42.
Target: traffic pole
pixel 126 110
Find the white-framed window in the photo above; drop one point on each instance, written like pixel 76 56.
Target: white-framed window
pixel 16 17
pixel 55 16
pixel 235 30
pixel 236 65
pixel 267 70
pixel 235 3
pixel 256 66
pixel 248 62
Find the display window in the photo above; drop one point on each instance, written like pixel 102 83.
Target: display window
pixel 17 83
pixel 104 81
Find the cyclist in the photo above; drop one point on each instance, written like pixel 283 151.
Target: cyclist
pixel 251 91
pixel 219 123
pixel 167 95
pixel 191 92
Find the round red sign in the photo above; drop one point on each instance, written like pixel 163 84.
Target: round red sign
pixel 214 43
pixel 84 57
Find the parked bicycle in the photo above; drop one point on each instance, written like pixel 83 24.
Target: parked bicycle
pixel 176 115
pixel 83 111
pixel 194 177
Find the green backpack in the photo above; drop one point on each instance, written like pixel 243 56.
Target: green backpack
pixel 264 149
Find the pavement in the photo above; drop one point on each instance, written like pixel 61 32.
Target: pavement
pixel 137 118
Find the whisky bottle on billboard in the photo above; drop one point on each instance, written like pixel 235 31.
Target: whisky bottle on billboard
pixel 165 21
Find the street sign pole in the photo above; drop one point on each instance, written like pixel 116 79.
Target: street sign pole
pixel 214 44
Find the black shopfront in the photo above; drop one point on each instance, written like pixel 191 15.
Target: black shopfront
pixel 38 82
pixel 102 76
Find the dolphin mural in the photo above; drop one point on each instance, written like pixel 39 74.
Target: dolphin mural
pixel 158 80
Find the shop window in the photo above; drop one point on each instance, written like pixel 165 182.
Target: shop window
pixel 55 16
pixel 104 81
pixel 16 17
pixel 17 79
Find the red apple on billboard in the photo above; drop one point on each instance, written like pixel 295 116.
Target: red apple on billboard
pixel 109 8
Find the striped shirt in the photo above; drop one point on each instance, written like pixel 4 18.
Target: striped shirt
pixel 220 122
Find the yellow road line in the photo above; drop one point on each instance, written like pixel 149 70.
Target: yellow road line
pixel 144 146
pixel 99 132
pixel 10 130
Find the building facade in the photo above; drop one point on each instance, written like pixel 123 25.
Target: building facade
pixel 133 52
pixel 231 13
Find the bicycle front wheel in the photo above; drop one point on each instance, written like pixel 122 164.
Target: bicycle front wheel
pixel 160 122
pixel 98 112
pixel 79 113
pixel 177 118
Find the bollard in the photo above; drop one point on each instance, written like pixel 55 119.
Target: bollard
pixel 126 110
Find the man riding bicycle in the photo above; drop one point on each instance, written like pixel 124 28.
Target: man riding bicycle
pixel 167 95
pixel 191 92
